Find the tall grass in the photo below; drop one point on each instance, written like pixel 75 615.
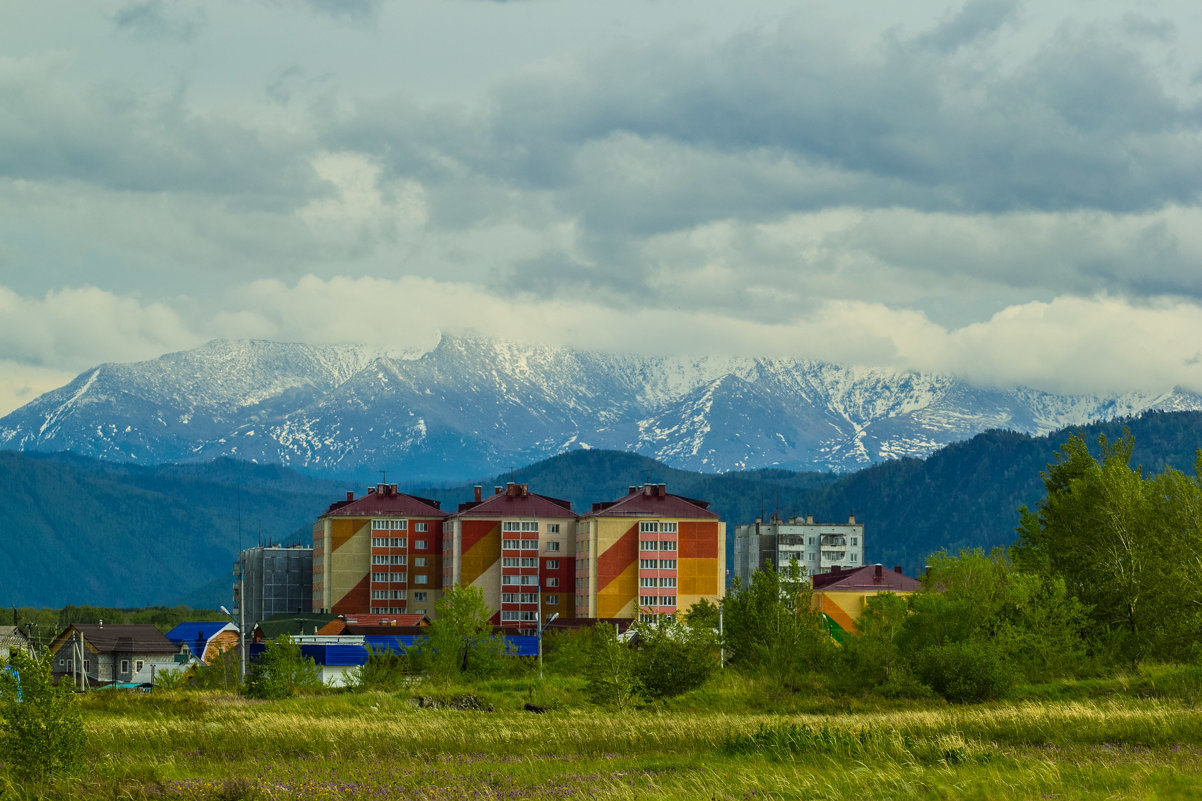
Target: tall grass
pixel 211 745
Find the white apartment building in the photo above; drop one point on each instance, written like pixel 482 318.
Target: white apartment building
pixel 817 547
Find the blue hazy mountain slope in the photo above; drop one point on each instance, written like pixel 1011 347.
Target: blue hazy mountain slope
pixel 88 531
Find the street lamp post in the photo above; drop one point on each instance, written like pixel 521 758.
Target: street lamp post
pixel 241 632
pixel 541 628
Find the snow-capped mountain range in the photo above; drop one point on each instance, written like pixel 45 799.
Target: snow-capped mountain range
pixel 473 407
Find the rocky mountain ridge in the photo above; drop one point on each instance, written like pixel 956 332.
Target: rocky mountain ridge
pixel 473 406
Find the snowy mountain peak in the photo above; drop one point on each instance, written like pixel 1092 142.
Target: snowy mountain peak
pixel 469 406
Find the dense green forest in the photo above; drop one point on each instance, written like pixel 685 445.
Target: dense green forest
pixel 90 532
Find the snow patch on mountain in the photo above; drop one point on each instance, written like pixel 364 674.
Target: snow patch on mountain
pixel 469 406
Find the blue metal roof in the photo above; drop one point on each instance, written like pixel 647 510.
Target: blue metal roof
pixel 196 635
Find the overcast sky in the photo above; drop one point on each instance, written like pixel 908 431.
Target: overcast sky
pixel 1005 191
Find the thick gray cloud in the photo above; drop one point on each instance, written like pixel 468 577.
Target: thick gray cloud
pixel 945 176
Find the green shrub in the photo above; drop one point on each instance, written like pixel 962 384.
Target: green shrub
pixel 281 670
pixel 610 675
pixel 41 734
pixel 673 658
pixel 963 672
pixel 384 670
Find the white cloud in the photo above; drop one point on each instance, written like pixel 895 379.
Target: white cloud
pixel 21 383
pixel 79 327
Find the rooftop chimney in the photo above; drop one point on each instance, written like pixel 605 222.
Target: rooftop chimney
pixel 876 572
pixel 497 490
pixel 632 490
pixel 851 519
pixel 477 492
pixel 350 495
pixel 809 520
pixel 897 568
pixel 661 490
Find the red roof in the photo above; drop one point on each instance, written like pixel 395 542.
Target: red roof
pixel 385 500
pixel 869 577
pixel 387 620
pixel 652 500
pixel 516 500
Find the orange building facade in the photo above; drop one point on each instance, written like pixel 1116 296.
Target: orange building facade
pixel 518 547
pixel 648 553
pixel 378 554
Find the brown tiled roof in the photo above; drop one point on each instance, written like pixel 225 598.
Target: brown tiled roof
pixel 652 500
pixel 516 500
pixel 868 577
pixel 107 638
pixel 384 631
pixel 342 625
pixel 385 500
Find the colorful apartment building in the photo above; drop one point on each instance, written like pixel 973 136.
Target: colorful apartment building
pixel 841 595
pixel 518 547
pixel 378 554
pixel 648 553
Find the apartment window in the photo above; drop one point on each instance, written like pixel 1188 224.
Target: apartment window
pixel 552 564
pixel 124 665
pixel 419 596
pixel 420 579
pixel 649 545
pixel 509 597
pixel 853 557
pixel 552 528
pixel 666 564
pixel 510 561
pixel 667 528
pixel 648 564
pixel 87 666
pixel 648 527
pixel 379 577
pixel 551 600
pixel 553 581
pixel 379 542
pixel 553 546
pixel 511 616
pixel 529 545
pixel 855 540
pixel 520 525
pixel 398 577
pixel 419 545
pixel 421 526
pixel 398 542
pixel 399 559
pixel 379 560
pixel 667 545
pixel 420 561
pixel 510 545
pixel 379 595
pixel 137 666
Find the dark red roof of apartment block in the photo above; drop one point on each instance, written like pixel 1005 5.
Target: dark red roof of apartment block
pixel 384 500
pixel 652 500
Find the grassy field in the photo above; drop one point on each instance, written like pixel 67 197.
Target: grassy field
pixel 377 745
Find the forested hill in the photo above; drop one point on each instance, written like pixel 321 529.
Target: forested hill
pixel 83 531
